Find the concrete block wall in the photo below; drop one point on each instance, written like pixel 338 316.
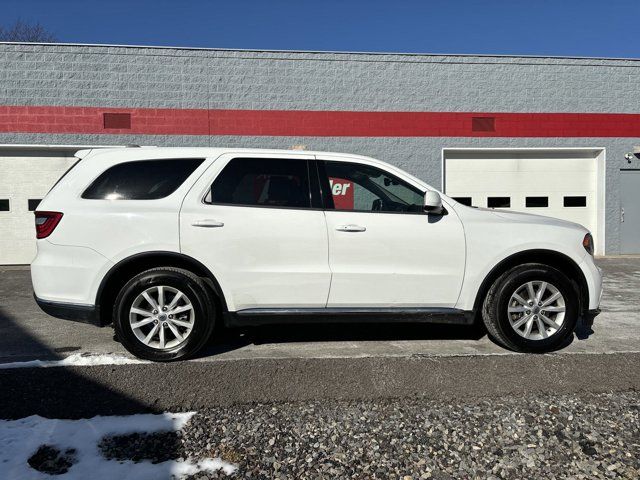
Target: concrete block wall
pixel 169 78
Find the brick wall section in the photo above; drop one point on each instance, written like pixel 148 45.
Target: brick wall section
pixel 166 78
pixel 62 75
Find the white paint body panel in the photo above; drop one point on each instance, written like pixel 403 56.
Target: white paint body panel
pixel 261 256
pixel 399 260
pixel 494 235
pixel 274 257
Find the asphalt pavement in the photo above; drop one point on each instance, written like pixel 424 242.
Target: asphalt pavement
pixel 350 401
pixel 26 333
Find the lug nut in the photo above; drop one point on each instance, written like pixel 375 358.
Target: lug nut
pixel 530 303
pixel 164 309
pixel 541 312
pixel 155 322
pixel 164 324
pixel 155 311
pixel 539 304
pixel 535 317
pixel 170 316
pixel 528 312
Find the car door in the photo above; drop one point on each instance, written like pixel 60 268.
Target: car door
pixel 250 220
pixel 384 251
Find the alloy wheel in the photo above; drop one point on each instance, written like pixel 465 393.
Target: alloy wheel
pixel 162 317
pixel 536 310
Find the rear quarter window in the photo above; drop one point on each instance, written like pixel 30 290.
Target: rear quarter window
pixel 142 180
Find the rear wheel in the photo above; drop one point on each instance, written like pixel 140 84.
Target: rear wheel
pixel 531 308
pixel 164 314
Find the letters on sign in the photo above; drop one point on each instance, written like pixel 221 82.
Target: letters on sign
pixel 342 192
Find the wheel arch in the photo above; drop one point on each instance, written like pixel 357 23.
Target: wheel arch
pixel 126 268
pixel 547 257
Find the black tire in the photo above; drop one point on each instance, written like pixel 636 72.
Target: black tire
pixel 495 308
pixel 186 282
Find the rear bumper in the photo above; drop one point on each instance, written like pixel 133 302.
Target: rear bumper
pixel 71 311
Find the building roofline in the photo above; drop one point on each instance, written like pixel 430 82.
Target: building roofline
pixel 324 52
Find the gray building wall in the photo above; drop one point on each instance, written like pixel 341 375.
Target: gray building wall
pixel 67 75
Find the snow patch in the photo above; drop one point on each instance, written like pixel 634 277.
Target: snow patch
pixel 21 438
pixel 75 360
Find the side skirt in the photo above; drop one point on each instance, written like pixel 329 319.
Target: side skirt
pixel 266 316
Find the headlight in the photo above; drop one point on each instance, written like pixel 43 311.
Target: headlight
pixel 587 243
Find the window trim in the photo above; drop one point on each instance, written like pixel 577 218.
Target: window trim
pixel 326 192
pixel 310 183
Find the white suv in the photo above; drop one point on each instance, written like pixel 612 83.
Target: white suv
pixel 166 242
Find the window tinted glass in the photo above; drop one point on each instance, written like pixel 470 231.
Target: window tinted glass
pixel 537 202
pixel 575 201
pixel 269 182
pixel 4 204
pixel 142 180
pixel 499 202
pixel 364 188
pixel 33 203
pixel 463 200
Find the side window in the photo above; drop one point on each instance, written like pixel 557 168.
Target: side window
pixel 359 187
pixel 264 182
pixel 142 180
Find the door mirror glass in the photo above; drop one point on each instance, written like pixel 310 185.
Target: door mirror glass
pixel 432 202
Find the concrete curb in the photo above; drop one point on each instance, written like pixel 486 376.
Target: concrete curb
pixel 76 392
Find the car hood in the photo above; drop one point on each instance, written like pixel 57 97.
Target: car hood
pixel 531 219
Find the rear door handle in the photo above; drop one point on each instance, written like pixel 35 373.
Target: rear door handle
pixel 351 228
pixel 208 223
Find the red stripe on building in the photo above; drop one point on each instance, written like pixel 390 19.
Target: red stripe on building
pixel 156 121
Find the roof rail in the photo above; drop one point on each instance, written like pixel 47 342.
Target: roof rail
pixel 85 152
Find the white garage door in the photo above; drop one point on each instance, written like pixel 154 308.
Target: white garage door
pixel 558 183
pixel 25 177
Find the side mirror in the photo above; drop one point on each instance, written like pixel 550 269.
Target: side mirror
pixel 432 202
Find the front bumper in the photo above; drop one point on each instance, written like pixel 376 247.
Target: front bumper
pixel 593 276
pixel 589 316
pixel 71 311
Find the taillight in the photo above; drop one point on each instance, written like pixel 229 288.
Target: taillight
pixel 46 222
pixel 587 243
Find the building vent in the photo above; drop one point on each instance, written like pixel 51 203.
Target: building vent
pixel 117 120
pixel 483 124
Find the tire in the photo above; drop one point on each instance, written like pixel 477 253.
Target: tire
pixel 181 330
pixel 502 316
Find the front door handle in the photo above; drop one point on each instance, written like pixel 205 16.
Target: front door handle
pixel 351 228
pixel 207 223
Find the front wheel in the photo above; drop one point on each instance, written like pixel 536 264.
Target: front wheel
pixel 531 308
pixel 163 314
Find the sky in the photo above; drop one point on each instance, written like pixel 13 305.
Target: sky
pixel 592 28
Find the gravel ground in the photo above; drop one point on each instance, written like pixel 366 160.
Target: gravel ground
pixel 49 459
pixel 569 436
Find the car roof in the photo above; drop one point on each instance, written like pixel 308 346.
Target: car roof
pixel 144 153
pixel 114 156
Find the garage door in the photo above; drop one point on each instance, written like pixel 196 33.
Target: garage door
pixel 557 183
pixel 27 175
